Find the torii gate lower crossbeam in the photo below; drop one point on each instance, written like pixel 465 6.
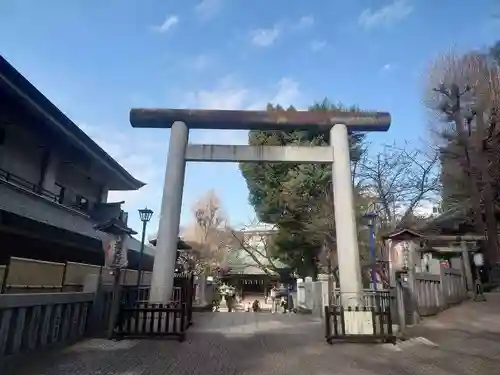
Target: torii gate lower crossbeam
pixel 180 121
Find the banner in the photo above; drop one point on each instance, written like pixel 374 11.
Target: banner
pixel 115 251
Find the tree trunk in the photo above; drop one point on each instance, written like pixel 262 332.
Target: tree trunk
pixel 470 176
pixel 488 201
pixel 491 225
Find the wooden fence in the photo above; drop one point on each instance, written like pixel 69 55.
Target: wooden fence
pixel 34 321
pixel 31 321
pixel 434 293
pixel 35 276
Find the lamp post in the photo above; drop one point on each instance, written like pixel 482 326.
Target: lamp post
pixel 145 215
pixel 478 292
pixel 371 216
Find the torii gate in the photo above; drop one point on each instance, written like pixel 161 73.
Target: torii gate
pixel 180 152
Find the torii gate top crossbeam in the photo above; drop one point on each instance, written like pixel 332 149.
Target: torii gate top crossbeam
pixel 260 120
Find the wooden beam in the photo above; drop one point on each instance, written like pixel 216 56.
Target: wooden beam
pixel 467 237
pixel 259 120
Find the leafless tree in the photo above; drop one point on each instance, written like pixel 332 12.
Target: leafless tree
pixel 398 180
pixel 465 91
pixel 208 234
pixel 256 243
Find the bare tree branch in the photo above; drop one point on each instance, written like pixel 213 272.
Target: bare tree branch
pixel 398 180
pixel 257 245
pixel 208 233
pixel 465 92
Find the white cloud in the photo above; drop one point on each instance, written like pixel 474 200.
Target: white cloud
pixel 137 151
pixel 425 208
pixel 228 93
pixel 265 37
pixel 387 67
pixel 288 92
pixel 170 21
pixel 200 62
pixel 208 8
pixel 306 22
pixel 318 45
pixel 387 15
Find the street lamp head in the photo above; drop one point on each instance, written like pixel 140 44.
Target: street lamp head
pixel 145 214
pixel 478 259
pixel 370 217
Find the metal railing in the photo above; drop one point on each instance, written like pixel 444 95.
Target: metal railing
pixel 369 298
pixel 44 193
pixel 25 184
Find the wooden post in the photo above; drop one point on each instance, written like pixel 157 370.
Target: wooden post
pixel 330 278
pixel 63 281
pixel 412 281
pixel 115 303
pixel 443 286
pixel 466 266
pixel 400 306
pixel 5 276
pixel 92 284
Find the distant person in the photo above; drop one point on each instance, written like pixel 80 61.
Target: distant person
pixel 284 299
pixel 275 300
pixel 230 299
pixel 291 307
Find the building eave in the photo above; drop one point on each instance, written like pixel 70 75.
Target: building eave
pixel 402 232
pixel 62 124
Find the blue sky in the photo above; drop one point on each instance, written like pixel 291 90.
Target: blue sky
pixel 96 59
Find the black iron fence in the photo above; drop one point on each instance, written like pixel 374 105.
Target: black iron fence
pixel 139 319
pixel 130 295
pixel 369 321
pixel 373 298
pixel 145 320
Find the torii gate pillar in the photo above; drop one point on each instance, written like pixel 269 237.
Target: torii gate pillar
pixel 170 214
pixel 345 218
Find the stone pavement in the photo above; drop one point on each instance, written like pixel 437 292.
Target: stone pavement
pixel 462 340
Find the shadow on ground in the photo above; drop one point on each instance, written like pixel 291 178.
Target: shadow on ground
pixel 248 343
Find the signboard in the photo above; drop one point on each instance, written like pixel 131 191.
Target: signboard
pixel 115 251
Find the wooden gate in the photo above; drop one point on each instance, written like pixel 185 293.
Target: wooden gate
pixel 375 312
pixel 141 319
